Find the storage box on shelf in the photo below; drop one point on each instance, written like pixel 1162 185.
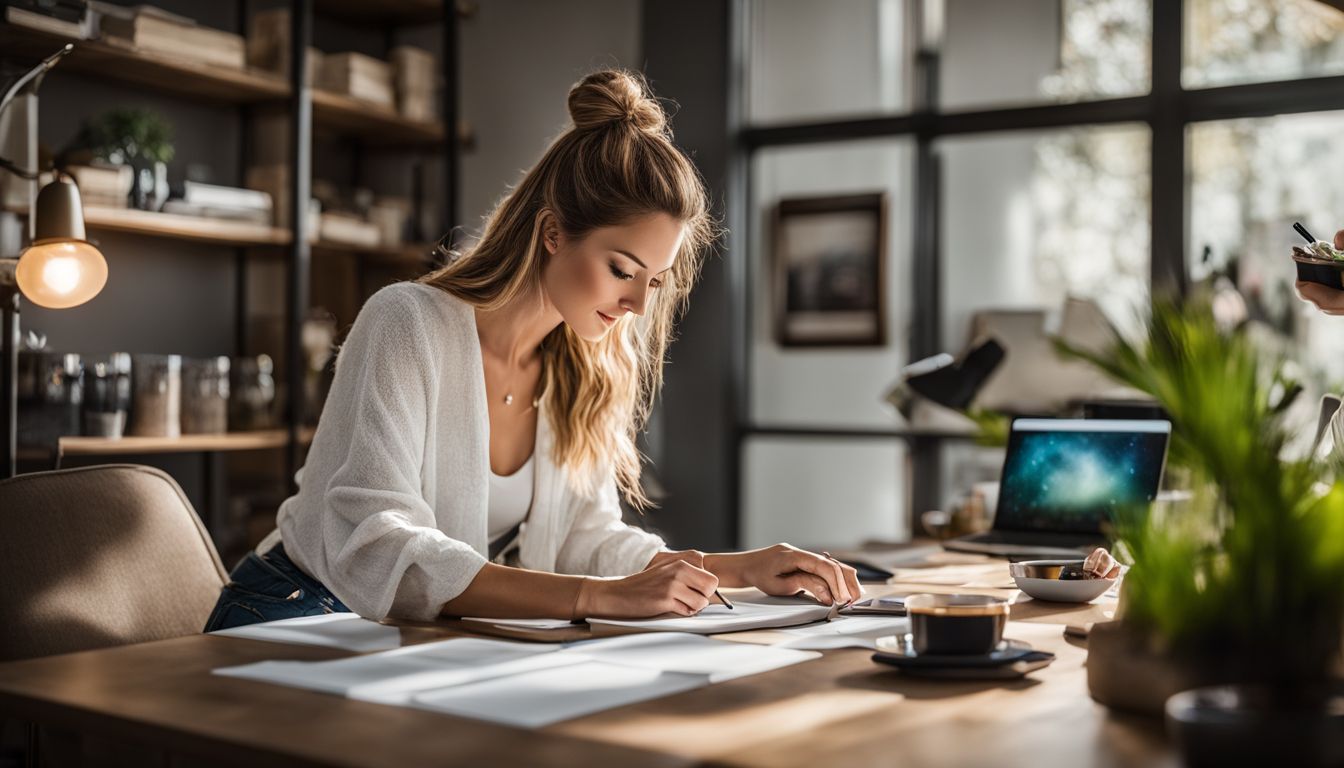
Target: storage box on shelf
pixel 357 76
pixel 268 45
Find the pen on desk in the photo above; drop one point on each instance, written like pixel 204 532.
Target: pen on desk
pixel 723 599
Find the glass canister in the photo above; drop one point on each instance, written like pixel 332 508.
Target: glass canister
pixel 205 396
pixel 50 391
pixel 157 405
pixel 253 395
pixel 107 395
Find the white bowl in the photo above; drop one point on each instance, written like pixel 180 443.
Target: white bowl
pixel 1057 590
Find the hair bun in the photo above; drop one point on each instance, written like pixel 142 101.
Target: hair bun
pixel 615 97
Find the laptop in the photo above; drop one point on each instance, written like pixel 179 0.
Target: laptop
pixel 1062 481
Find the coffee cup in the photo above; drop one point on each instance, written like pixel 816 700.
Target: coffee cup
pixel 956 624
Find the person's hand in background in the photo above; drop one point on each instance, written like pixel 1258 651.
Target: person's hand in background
pixel 1101 565
pixel 1328 300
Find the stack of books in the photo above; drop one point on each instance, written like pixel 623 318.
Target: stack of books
pixel 216 202
pixel 268 45
pixel 154 30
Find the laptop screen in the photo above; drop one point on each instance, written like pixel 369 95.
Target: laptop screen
pixel 1069 475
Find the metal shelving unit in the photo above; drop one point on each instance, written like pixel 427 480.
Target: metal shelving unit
pixel 308 110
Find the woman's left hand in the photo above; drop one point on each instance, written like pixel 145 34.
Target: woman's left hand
pixel 785 570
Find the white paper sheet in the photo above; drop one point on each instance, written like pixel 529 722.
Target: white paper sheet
pixel 393 677
pixel 845 632
pixel 549 696
pixel 332 630
pixel 528 684
pixel 719 618
pixel 689 653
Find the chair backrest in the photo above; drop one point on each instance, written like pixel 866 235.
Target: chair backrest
pixel 100 556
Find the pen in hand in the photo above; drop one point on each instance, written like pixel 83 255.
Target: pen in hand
pixel 723 599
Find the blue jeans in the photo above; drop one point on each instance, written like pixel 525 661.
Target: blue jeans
pixel 269 587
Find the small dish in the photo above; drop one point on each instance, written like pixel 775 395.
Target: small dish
pixel 1010 659
pixel 1057 581
pixel 1313 269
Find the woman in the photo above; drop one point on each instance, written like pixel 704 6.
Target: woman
pixel 483 418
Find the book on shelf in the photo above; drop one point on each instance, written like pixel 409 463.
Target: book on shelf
pixel 218 196
pixel 64 19
pixel 184 208
pixel 146 28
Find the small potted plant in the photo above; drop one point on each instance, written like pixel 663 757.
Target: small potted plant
pixel 140 138
pixel 1241 587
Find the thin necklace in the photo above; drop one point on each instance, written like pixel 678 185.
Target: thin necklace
pixel 508 395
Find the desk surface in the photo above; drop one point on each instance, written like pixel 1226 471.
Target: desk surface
pixel 840 709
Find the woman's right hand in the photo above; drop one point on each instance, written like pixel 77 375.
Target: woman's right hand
pixel 675 587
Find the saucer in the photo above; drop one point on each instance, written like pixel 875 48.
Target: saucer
pixel 1010 659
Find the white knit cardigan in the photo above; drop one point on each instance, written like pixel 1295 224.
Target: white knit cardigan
pixel 391 510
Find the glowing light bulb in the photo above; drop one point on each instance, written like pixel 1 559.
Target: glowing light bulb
pixel 61 274
pixel 57 275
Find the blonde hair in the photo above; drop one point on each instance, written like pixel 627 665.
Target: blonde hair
pixel 615 163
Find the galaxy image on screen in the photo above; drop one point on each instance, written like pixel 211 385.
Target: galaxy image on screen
pixel 1071 481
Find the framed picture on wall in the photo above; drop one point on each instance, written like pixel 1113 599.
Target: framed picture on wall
pixel 829 271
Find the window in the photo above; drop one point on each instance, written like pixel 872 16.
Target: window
pixel 1248 41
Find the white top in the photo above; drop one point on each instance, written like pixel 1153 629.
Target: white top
pixel 510 498
pixel 392 508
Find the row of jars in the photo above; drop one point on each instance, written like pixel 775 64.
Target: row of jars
pixel 142 395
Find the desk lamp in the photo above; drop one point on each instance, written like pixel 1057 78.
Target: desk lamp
pixel 58 269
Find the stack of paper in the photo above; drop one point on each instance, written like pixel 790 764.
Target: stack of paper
pixel 720 618
pixel 525 684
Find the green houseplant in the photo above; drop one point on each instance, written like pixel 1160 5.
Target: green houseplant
pixel 1244 583
pixel 140 138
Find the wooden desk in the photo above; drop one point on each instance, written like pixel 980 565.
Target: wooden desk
pixel 842 709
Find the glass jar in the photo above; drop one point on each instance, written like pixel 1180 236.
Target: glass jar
pixel 49 393
pixel 107 395
pixel 156 410
pixel 253 395
pixel 205 396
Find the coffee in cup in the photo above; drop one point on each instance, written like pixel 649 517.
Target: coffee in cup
pixel 956 624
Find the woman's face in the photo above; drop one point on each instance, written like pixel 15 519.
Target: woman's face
pixel 597 279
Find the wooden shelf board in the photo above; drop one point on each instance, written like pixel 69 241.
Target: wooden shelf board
pixel 373 122
pixel 237 441
pixel 182 77
pixel 231 441
pixel 180 227
pixel 101 218
pixel 386 11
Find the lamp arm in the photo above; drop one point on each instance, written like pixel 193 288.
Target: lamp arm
pixel 34 76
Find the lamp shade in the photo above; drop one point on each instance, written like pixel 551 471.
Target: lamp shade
pixel 60 269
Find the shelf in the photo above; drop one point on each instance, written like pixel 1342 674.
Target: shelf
pixel 377 124
pixel 101 218
pixel 232 441
pixel 176 226
pixel 201 82
pixel 384 11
